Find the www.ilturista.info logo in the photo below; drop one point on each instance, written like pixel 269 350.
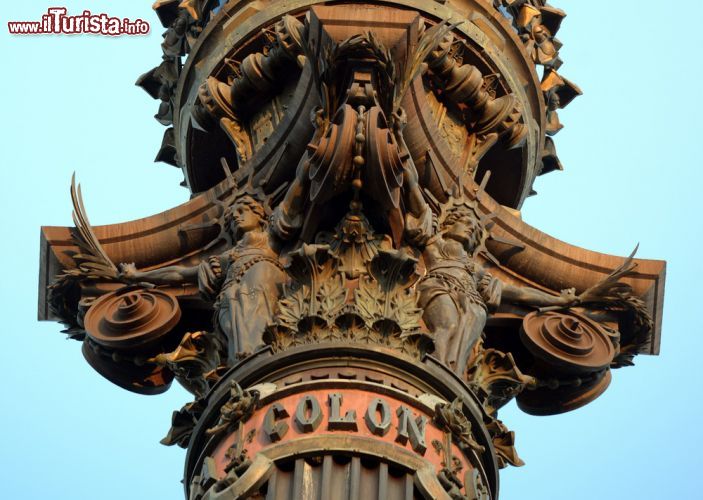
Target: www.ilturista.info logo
pixel 57 22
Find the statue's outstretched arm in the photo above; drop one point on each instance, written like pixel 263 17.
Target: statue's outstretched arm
pixel 171 275
pixel 207 275
pixel 533 297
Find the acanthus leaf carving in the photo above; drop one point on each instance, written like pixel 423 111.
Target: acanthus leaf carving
pixel 354 243
pixel 183 422
pixel 504 444
pixel 496 379
pixel 355 290
pixel 195 361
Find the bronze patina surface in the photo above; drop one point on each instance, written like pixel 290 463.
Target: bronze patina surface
pixel 350 295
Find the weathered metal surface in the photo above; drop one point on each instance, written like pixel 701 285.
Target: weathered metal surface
pixel 350 296
pixel 131 319
pixel 349 421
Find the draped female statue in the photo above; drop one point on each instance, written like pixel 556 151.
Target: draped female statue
pixel 243 282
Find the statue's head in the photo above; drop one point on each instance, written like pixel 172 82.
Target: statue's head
pixel 460 222
pixel 465 229
pixel 245 214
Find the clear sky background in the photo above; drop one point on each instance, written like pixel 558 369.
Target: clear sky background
pixel 631 149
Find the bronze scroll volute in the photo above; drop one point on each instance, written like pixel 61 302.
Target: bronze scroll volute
pixel 567 342
pixel 573 356
pixel 132 318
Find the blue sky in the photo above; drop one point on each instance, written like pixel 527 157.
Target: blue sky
pixel 633 174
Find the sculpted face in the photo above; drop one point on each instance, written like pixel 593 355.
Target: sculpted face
pixel 244 219
pixel 466 231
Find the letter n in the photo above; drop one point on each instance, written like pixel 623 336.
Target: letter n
pixel 412 430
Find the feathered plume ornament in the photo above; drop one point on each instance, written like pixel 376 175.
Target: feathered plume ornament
pixel 611 289
pixel 328 64
pixel 613 295
pixel 415 64
pixel 91 262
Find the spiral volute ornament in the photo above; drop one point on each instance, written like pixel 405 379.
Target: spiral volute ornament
pixel 132 318
pixel 567 341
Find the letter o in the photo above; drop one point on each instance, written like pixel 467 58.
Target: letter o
pixel 378 426
pixel 308 414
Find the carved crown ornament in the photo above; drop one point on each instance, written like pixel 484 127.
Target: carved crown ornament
pixel 352 274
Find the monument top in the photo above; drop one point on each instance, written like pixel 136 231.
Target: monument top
pixel 353 247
